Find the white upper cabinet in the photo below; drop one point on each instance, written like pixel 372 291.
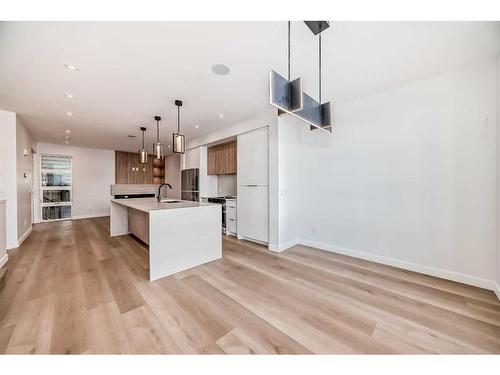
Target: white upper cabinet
pixel 253 158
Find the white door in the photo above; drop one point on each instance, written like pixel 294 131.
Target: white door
pixel 253 158
pixel 253 212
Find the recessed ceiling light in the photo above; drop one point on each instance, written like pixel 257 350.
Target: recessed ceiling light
pixel 70 96
pixel 67 137
pixel 220 69
pixel 69 114
pixel 66 142
pixel 197 126
pixel 71 67
pixel 221 115
pixel 68 131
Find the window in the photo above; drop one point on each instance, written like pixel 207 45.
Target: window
pixel 56 187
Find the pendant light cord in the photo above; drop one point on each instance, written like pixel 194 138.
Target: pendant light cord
pixel 178 119
pixel 143 139
pixel 319 85
pixel 157 131
pixel 288 51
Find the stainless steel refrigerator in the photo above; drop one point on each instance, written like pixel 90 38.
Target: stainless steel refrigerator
pixel 190 184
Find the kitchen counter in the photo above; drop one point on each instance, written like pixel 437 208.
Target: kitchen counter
pixel 180 235
pixel 152 204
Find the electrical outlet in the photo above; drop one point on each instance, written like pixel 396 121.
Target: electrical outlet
pixel 24 222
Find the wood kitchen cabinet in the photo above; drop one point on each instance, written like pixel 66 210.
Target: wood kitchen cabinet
pixel 222 159
pixel 122 167
pixel 128 170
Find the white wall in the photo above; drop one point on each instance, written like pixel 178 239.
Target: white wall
pixel 245 125
pixel 173 175
pixel 3 249
pixel 497 290
pixel 8 186
pixel 284 154
pixel 93 173
pixel 208 183
pixel 408 177
pixel 24 178
pixel 191 159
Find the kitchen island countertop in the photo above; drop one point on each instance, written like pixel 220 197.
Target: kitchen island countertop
pixel 152 204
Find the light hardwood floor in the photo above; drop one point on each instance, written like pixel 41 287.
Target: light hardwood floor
pixel 73 289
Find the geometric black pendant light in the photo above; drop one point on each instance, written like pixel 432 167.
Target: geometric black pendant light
pixel 317 114
pixel 288 96
pixel 285 94
pixel 178 139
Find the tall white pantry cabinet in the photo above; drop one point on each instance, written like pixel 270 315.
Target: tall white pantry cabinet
pixel 253 185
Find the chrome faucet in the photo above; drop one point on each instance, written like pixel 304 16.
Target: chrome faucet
pixel 159 191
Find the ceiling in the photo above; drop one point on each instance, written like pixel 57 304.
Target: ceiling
pixel 131 71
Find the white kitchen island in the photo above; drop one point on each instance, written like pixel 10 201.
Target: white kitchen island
pixel 180 235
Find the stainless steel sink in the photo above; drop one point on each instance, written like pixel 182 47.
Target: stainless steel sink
pixel 169 201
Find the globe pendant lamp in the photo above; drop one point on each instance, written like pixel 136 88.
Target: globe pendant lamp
pixel 178 139
pixel 158 149
pixel 143 153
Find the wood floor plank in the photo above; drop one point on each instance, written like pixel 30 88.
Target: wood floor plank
pixel 485 334
pixel 71 288
pixel 413 290
pixel 147 332
pixel 96 289
pixel 255 327
pixel 200 312
pixel 134 255
pixel 107 332
pixel 33 331
pixel 121 284
pixel 20 281
pixel 434 282
pixel 70 327
pixel 188 337
pixel 238 342
pixel 287 308
pixel 5 335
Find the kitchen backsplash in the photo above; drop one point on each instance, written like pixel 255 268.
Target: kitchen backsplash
pixel 227 184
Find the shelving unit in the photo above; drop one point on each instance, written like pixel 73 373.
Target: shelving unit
pixel 158 171
pixel 128 170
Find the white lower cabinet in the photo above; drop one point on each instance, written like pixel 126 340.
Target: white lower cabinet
pixel 253 212
pixel 231 217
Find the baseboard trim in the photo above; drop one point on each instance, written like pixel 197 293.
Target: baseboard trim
pixel 4 260
pixel 283 246
pixel 497 290
pixel 90 216
pixel 251 240
pixel 432 271
pixel 24 236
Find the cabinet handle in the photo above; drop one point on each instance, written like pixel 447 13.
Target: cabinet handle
pixel 231 219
